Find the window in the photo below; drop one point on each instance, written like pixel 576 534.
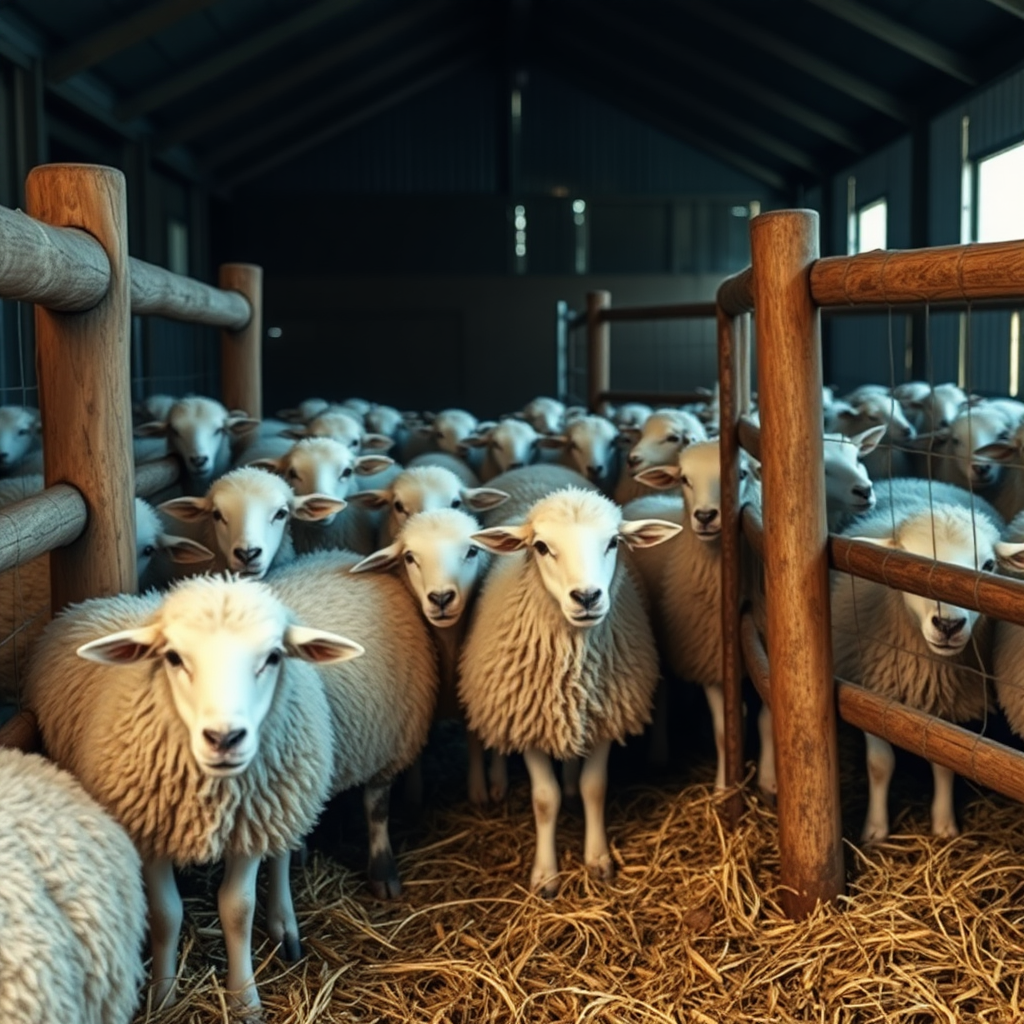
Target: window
pixel 1000 200
pixel 871 226
pixel 177 246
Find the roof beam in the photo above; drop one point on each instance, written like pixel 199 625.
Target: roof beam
pixel 879 25
pixel 249 49
pixel 739 128
pixel 381 74
pixel 729 77
pixel 599 86
pixel 350 121
pixel 118 36
pixel 329 60
pixel 802 60
pixel 1014 7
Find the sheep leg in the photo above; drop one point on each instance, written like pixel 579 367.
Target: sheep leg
pixel 414 783
pixel 766 780
pixel 383 869
pixel 881 764
pixel 236 907
pixel 593 789
pixel 657 751
pixel 943 815
pixel 716 701
pixel 498 776
pixel 571 769
pixel 477 781
pixel 165 916
pixel 282 924
pixel 546 800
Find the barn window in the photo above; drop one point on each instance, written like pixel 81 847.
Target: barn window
pixel 177 246
pixel 871 226
pixel 1000 204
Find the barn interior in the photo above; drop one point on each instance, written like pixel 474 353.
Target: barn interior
pixel 423 183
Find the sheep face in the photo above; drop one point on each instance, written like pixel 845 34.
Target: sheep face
pixel 150 540
pixel 871 409
pixel 385 419
pixel 221 644
pixel 19 426
pixel 972 430
pixel 937 409
pixel 545 415
pixel 665 434
pixel 304 411
pixel 572 539
pixel 512 443
pixel 250 509
pixel 442 562
pixel 847 484
pixel 591 443
pixel 631 414
pixel 450 428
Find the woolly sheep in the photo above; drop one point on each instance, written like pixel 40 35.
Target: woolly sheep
pixel 321 465
pixel 545 415
pixel 19 435
pixel 525 487
pixel 868 407
pixel 589 445
pixel 343 426
pixel 656 442
pixel 443 567
pixel 560 659
pixel 1008 495
pixel 73 912
pixel 153 407
pixel 926 654
pixel 952 451
pixel 934 409
pixel 202 433
pixel 451 462
pixel 304 411
pixel 510 444
pixel 630 414
pixel 197 723
pixel 449 429
pixel 244 519
pixel 848 488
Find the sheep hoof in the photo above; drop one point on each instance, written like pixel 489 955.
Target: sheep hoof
pixel 945 829
pixel 478 793
pixel 602 868
pixel 544 884
pixel 874 832
pixel 499 790
pixel 164 993
pixel 290 949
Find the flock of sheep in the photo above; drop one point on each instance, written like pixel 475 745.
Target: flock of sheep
pixel 366 571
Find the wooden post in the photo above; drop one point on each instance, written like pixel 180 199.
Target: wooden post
pixel 241 366
pixel 784 245
pixel 599 348
pixel 730 392
pixel 82 361
pixel 744 364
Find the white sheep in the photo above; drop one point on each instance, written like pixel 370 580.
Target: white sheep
pixel 451 462
pixel 443 567
pixel 197 723
pixel 656 442
pixel 630 414
pixel 153 407
pixel 930 408
pixel 244 519
pixel 952 451
pixel 927 654
pixel 321 465
pixel 509 444
pixel 1008 494
pixel 304 411
pixel 545 415
pixel 19 436
pixel 848 488
pixel 73 911
pixel 871 406
pixel 448 430
pixel 560 659
pixel 523 488
pixel 343 426
pixel 204 435
pixel 589 445
pixel 423 488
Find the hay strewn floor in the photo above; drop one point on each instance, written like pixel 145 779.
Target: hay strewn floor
pixel 690 929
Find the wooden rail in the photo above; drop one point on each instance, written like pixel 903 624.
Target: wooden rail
pixel 675 311
pixel 151 477
pixel 735 294
pixel 40 523
pixel 652 397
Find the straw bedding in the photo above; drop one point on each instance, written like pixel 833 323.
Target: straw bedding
pixel 689 930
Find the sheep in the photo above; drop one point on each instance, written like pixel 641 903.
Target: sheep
pixel 656 443
pixel 869 407
pixel 848 488
pixel 590 446
pixel 19 436
pixel 321 465
pixel 524 487
pixel 686 579
pixel 931 409
pixel 344 427
pixel 153 407
pixel 630 414
pixel 388 421
pixel 448 430
pixel 72 906
pixel 951 455
pixel 201 432
pixel 560 658
pixel 444 567
pixel 196 722
pixel 1008 495
pixel 445 461
pixel 545 415
pixel 422 489
pixel 926 654
pixel 304 411
pixel 509 444
pixel 244 519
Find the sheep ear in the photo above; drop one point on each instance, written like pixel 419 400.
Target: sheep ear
pixel 239 426
pixel 480 499
pixel 188 510
pixel 311 507
pixel 1010 555
pixel 867 440
pixel 998 451
pixel 367 465
pixel 477 440
pixel 661 478
pixel 645 533
pixel 503 540
pixel 270 465
pixel 123 648
pixel 319 646
pixel 183 550
pixel 155 428
pixel 552 441
pixel 376 500
pixel 386 558
pixel 377 442
pixel 296 433
pixel 289 415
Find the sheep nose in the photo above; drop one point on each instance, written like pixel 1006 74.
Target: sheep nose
pixel 948 627
pixel 633 461
pixel 595 472
pixel 586 599
pixel 441 598
pixel 906 433
pixel 706 516
pixel 982 469
pixel 247 555
pixel 198 461
pixel 222 742
pixel 865 493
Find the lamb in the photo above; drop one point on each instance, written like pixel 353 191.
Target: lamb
pixel 560 658
pixel 153 407
pixel 244 519
pixel 872 406
pixel 201 432
pixel 848 488
pixel 509 444
pixel 926 654
pixel 72 904
pixel 630 414
pixel 444 567
pixel 196 722
pixel 656 443
pixel 19 436
pixel 1008 495
pixel 952 450
pixel 525 487
pixel 930 408
pixel 343 426
pixel 451 462
pixel 545 415
pixel 304 411
pixel 422 489
pixel 321 465
pixel 590 446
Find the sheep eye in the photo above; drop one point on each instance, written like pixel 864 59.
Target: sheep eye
pixel 410 558
pixel 573 446
pixel 219 430
pixel 541 548
pixel 148 550
pixel 399 508
pixel 472 552
pixel 684 481
pixel 345 473
pixel 281 513
pixel 743 473
pixel 173 658
pixel 353 444
pixel 218 516
pixel 293 474
pixel 438 435
pixel 612 544
pixel 673 439
pixel 989 565
pixel 273 658
pixel 456 503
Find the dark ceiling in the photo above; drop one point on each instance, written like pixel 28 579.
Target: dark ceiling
pixel 787 90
